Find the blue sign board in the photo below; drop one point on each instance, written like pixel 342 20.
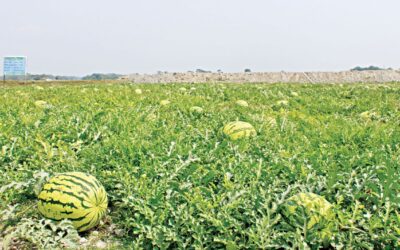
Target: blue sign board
pixel 14 66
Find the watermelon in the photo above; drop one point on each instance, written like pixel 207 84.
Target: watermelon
pixel 196 110
pixel 369 116
pixel 242 103
pixel 239 129
pixel 282 103
pixel 76 196
pixel 311 210
pixel 41 104
pixel 165 102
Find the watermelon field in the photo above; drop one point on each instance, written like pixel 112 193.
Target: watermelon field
pixel 308 166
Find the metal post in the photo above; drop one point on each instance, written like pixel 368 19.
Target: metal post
pixel 26 62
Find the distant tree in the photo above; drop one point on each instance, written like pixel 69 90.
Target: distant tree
pixel 67 78
pixel 358 68
pixel 39 77
pixel 219 71
pixel 98 76
pixel 247 70
pixel 202 71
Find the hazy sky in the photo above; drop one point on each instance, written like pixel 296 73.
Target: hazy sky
pixel 78 37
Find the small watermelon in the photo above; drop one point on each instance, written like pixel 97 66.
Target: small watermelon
pixel 165 102
pixel 242 103
pixel 41 104
pixel 196 110
pixel 239 129
pixel 76 196
pixel 282 103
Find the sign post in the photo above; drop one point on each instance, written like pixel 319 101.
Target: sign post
pixel 14 66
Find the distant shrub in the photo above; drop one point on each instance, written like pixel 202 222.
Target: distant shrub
pixel 202 71
pixel 98 76
pixel 358 68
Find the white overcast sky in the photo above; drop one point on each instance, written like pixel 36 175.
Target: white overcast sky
pixel 78 37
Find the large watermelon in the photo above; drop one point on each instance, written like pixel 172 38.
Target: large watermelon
pixel 238 129
pixel 76 196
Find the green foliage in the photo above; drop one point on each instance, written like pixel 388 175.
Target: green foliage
pixel 42 77
pixel 358 68
pixel 175 181
pixel 98 76
pixel 310 213
pixel 42 234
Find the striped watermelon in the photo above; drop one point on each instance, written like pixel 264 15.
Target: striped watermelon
pixel 310 210
pixel 238 129
pixel 76 196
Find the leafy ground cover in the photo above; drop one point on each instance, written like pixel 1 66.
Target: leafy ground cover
pixel 175 181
